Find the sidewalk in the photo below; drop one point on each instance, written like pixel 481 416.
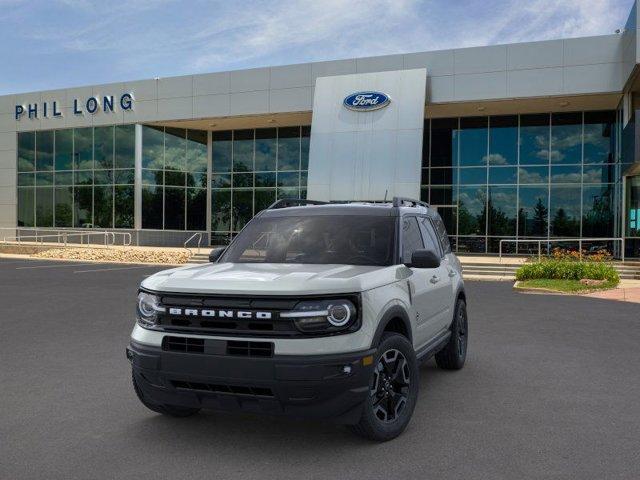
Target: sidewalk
pixel 627 291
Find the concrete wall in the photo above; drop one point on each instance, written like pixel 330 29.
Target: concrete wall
pixel 359 155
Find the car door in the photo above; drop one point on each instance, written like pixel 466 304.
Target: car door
pixel 423 283
pixel 445 273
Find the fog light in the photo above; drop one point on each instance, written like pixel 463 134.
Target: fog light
pixel 346 369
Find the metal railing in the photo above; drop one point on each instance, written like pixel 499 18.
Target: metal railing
pixel 195 235
pixel 64 238
pixel 548 241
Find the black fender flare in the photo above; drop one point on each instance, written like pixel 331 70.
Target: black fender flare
pixel 460 293
pixel 395 311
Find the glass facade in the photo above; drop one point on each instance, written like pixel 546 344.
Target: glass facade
pixel 523 177
pixel 174 179
pixel 533 176
pixel 250 170
pixel 81 177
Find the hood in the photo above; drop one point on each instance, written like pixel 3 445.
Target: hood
pixel 273 278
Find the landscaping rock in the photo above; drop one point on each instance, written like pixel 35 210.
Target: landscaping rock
pixel 120 255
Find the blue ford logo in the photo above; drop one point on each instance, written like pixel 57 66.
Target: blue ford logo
pixel 366 101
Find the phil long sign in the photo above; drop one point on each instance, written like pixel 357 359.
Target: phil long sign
pixel 91 105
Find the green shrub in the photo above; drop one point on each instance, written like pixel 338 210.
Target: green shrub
pixel 567 270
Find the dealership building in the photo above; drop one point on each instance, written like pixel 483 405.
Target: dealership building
pixel 518 142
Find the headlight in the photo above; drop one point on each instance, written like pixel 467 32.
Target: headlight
pixel 148 309
pixel 323 316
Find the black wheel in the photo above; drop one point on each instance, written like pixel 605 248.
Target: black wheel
pixel 393 390
pixel 454 354
pixel 170 410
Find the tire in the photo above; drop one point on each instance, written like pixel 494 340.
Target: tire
pixel 169 410
pixel 393 389
pixel 454 354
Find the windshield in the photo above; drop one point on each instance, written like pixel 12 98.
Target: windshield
pixel 348 240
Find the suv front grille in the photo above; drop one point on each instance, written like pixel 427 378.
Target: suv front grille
pixel 212 346
pixel 219 388
pixel 183 344
pixel 250 349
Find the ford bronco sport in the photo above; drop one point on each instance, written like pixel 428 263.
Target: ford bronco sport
pixel 321 310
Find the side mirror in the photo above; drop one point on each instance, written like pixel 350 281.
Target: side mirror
pixel 216 253
pixel 424 258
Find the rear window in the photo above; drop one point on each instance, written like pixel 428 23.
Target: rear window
pixel 345 239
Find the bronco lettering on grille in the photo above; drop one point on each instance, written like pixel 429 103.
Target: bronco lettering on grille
pixel 241 314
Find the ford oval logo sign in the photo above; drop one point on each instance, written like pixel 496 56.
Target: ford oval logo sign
pixel 366 101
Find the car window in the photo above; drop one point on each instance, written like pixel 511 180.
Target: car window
pixel 442 234
pixel 411 238
pixel 429 235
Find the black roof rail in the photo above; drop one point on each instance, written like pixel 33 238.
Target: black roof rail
pixel 401 201
pixel 293 202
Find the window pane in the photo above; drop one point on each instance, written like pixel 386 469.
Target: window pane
pixel 266 149
pixel 266 179
pixel 176 179
pixel 473 141
pixel 442 196
pixel 222 181
pixel 599 141
pixel 533 213
pixel 600 173
pixel 304 147
pixel 174 199
pixel 44 150
pixel 502 210
pixel 175 150
pixel 534 139
pixel 64 206
pixel 411 238
pixel 83 177
pixel 152 207
pixel 288 179
pixel 26 201
pixel 289 148
pixel 44 179
pixel 26 179
pixel 197 179
pixel 44 207
pixel 26 151
pixel 102 177
pixel 503 140
pixel 124 206
pixel 242 208
pixel 152 177
pixel 534 174
pixel 566 138
pixel 503 175
pixel 103 207
pixel 83 148
pixel 64 178
pixel 124 176
pixel 565 211
pixel 264 198
pixel 473 176
pixel 443 142
pixel 443 176
pixel 566 174
pixel 471 210
pixel 196 209
pixel 243 150
pixel 83 206
pixel 221 151
pixel 220 210
pixel 197 151
pixel 125 151
pixel 288 192
pixel 242 180
pixel 103 147
pixel 597 211
pixel 152 147
pixel 64 150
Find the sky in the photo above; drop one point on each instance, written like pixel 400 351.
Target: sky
pixel 48 44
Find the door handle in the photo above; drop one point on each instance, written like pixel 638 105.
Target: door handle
pixel 452 273
pixel 434 279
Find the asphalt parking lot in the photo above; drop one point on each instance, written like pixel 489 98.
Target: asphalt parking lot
pixel 551 390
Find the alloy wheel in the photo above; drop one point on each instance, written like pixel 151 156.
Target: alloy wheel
pixel 391 383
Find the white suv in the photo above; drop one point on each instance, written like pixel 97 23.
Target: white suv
pixel 321 310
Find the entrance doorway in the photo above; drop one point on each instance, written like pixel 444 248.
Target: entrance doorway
pixel 631 216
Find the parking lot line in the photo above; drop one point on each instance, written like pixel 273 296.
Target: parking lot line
pixel 114 268
pixel 57 265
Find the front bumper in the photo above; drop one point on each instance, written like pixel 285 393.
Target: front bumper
pixel 319 386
